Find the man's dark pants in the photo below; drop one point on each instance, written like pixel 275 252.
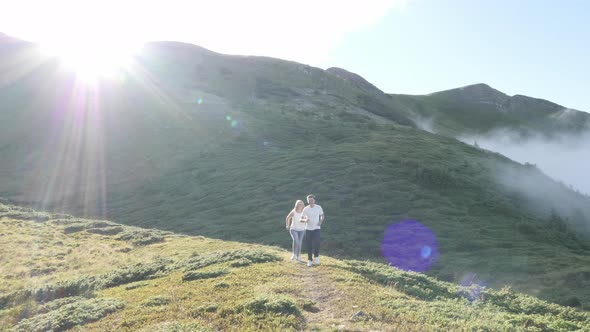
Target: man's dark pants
pixel 312 240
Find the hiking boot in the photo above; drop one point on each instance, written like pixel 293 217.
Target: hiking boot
pixel 308 263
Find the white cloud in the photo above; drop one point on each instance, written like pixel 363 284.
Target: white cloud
pixel 426 124
pixel 302 30
pixel 566 159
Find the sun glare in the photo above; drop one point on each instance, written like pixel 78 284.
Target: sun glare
pixel 92 60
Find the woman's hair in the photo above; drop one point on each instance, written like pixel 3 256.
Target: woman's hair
pixel 296 203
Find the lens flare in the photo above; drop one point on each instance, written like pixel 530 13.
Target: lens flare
pixel 409 245
pixel 470 289
pixel 425 252
pixel 200 101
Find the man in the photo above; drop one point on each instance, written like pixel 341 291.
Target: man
pixel 315 217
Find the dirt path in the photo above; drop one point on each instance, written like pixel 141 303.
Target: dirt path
pixel 319 286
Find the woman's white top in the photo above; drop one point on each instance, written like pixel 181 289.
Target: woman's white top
pixel 296 224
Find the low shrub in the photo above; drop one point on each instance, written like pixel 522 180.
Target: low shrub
pixel 221 285
pixel 197 275
pixel 156 301
pixel 136 272
pixel 278 305
pixel 85 285
pixel 436 177
pixel 75 228
pixel 414 284
pixel 70 315
pixel 240 257
pixel 78 287
pixel 202 309
pixel 141 237
pixel 136 285
pixel 56 304
pixel 175 327
pixel 241 262
pixel 106 231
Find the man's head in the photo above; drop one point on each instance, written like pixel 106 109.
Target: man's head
pixel 311 200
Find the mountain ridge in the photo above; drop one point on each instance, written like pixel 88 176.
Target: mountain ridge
pixel 473 90
pixel 480 109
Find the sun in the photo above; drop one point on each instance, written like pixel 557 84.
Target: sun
pixel 93 59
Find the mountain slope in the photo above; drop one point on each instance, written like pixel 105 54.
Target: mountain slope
pixel 480 109
pixel 60 272
pixel 201 143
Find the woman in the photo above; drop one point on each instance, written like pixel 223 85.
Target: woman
pixel 295 223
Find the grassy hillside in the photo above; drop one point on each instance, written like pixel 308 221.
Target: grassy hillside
pixel 59 272
pixel 206 144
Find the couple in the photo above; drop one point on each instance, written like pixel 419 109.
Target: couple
pixel 304 222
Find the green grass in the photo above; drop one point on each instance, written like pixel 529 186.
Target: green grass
pixel 270 293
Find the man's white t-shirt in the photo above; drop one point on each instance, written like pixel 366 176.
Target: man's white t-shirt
pixel 313 215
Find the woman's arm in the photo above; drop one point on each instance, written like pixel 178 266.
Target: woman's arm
pixel 289 219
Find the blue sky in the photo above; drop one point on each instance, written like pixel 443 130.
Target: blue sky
pixel 536 48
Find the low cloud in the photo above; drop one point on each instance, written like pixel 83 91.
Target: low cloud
pixel 565 158
pixel 555 178
pixel 426 124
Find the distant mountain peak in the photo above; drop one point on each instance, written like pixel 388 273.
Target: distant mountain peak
pixel 481 86
pixel 478 90
pixel 479 93
pixel 176 45
pixel 353 78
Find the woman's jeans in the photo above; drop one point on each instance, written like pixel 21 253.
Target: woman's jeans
pixel 297 241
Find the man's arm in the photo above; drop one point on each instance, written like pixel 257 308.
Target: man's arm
pixel 321 217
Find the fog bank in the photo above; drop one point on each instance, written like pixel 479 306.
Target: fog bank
pixel 565 159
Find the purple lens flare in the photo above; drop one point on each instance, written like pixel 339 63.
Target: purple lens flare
pixel 409 245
